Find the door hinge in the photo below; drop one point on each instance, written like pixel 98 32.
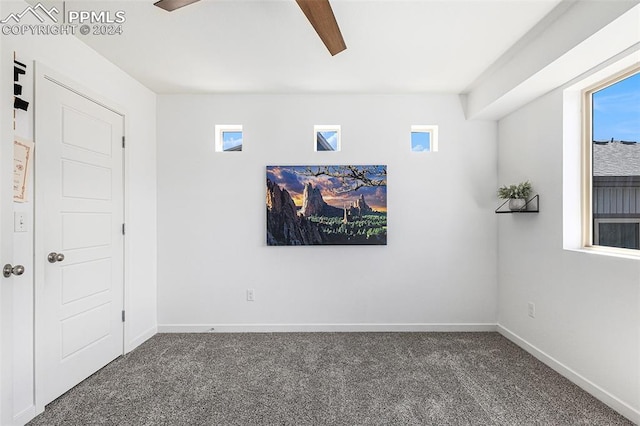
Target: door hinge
pixel 122 316
pixel 123 141
pixel 123 230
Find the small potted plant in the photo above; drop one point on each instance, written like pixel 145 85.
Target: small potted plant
pixel 516 194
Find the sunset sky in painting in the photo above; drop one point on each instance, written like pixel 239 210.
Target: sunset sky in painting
pixel 293 180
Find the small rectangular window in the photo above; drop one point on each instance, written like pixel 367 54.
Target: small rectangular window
pixel 326 138
pixel 228 138
pixel 424 138
pixel 613 145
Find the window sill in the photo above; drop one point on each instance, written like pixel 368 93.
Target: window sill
pixel 608 251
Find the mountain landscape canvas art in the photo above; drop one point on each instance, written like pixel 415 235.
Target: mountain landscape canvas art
pixel 326 205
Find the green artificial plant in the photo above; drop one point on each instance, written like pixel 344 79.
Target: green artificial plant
pixel 521 190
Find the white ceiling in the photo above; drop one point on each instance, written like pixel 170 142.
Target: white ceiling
pixel 267 46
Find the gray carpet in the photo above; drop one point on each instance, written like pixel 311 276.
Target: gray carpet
pixel 327 379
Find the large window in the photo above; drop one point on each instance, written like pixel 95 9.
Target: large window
pixel 613 144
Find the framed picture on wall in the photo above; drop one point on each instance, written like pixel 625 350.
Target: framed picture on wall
pixel 22 163
pixel 326 205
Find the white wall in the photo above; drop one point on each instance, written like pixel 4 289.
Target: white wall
pixel 587 322
pixel 437 271
pixel 77 62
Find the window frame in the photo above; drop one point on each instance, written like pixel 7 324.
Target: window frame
pixel 220 129
pixel 327 128
pixel 432 130
pixel 587 219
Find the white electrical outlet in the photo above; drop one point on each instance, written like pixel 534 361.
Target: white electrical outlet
pixel 251 295
pixel 532 309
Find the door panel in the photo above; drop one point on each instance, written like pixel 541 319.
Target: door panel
pixel 79 205
pixel 84 328
pixel 87 181
pixel 76 124
pixel 82 280
pixel 86 230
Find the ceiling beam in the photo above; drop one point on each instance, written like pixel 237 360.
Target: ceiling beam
pixel 576 40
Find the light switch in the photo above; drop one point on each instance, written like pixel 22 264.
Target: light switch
pixel 19 222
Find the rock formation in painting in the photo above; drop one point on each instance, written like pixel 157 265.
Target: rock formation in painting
pixel 356 210
pixel 284 225
pixel 362 205
pixel 314 205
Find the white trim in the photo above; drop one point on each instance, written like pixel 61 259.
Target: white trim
pixel 608 251
pixel 126 249
pixel 6 392
pixel 25 416
pixel 140 339
pixel 355 327
pixel 584 383
pixel 589 235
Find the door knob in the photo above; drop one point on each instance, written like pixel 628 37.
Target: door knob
pixel 15 270
pixel 55 257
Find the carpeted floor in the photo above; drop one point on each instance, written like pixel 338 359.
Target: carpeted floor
pixel 327 379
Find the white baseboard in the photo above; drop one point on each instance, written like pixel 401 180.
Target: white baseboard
pixel 25 416
pixel 288 328
pixel 140 339
pixel 584 383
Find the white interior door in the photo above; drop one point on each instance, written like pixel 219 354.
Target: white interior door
pixel 79 238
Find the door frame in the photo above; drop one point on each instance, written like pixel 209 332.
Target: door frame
pixel 6 250
pixel 43 73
